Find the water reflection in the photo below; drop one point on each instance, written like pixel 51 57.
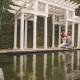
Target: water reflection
pixel 45 66
pixel 69 61
pixel 34 67
pixel 21 68
pixel 53 66
pixel 25 63
pixel 15 63
pixel 70 72
pixel 78 59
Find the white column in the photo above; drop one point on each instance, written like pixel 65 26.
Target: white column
pixel 59 34
pixel 78 44
pixel 35 25
pixel 73 33
pixel 45 27
pixel 66 26
pixel 15 34
pixel 53 31
pixel 22 32
pixel 25 43
pixel 66 23
pixel 45 33
pixel 53 35
pixel 34 31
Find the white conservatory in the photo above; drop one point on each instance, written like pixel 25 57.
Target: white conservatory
pixel 62 11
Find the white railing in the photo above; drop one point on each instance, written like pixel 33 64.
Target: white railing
pixel 77 18
pixel 59 18
pixel 41 7
pixel 70 14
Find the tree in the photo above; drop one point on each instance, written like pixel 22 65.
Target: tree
pixel 4 4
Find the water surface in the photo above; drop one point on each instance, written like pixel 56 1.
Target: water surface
pixel 51 66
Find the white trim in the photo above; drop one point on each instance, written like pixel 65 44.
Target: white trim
pixel 66 2
pixel 73 20
pixel 56 1
pixel 73 5
pixel 34 12
pixel 14 7
pixel 76 6
pixel 56 5
pixel 70 3
pixel 19 3
pixel 28 17
pixel 61 1
pixel 12 11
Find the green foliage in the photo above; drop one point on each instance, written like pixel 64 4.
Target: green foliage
pixel 5 16
pixel 6 37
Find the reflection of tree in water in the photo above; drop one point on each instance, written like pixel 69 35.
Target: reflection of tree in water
pixel 70 72
pixel 59 73
pixel 75 75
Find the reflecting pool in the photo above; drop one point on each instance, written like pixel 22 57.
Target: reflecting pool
pixel 47 66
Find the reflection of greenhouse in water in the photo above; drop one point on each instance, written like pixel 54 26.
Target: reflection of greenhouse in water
pixel 53 66
pixel 1 74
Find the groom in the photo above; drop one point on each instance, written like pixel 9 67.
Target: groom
pixel 68 43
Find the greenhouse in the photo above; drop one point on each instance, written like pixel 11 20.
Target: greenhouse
pixel 61 11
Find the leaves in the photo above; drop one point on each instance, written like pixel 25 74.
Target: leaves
pixel 4 14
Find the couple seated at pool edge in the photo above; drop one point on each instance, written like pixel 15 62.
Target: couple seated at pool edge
pixel 67 40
